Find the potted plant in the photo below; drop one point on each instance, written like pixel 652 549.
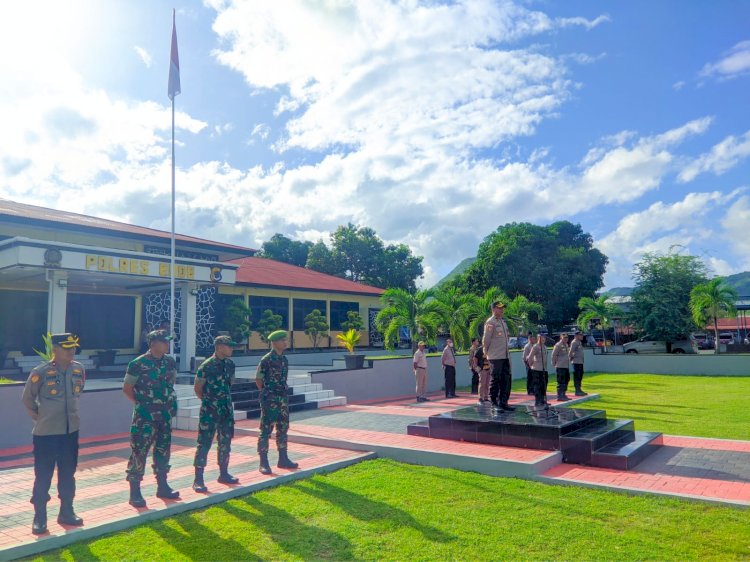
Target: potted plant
pixel 349 340
pixel 238 320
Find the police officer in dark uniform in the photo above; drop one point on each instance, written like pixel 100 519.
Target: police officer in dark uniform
pixel 51 398
pixel 213 383
pixel 149 384
pixel 271 378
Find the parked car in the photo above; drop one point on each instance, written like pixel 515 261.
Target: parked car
pixel 704 341
pixel 726 338
pixel 648 345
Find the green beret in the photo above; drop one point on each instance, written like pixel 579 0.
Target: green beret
pixel 277 335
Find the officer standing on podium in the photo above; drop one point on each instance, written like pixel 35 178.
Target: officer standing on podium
pixel 51 398
pixel 496 350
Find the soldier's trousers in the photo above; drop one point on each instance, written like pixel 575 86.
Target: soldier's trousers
pixel 51 451
pixel 529 381
pixel 143 434
pixel 213 423
pixel 474 382
pixel 449 372
pixel 274 411
pixel 539 380
pixel 500 385
pixel 577 375
pixel 563 379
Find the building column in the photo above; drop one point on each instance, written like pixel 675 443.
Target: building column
pixel 57 300
pixel 188 325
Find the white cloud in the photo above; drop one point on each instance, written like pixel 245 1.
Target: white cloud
pixel 679 85
pixel 721 158
pixel 735 223
pixel 144 55
pixel 734 63
pixel 588 24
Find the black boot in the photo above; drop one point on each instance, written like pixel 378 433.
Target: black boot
pixel 39 526
pixel 163 490
pixel 198 484
pixel 67 516
pixel 285 461
pixel 225 477
pixel 136 499
pixel 264 467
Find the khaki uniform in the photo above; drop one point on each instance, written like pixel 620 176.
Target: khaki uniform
pixel 420 373
pixel 51 397
pixel 576 357
pixel 538 362
pixel 561 361
pixel 496 349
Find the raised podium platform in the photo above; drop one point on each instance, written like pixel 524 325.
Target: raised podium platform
pixel 582 436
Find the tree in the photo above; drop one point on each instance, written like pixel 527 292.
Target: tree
pixel 237 320
pixel 710 301
pixel 455 314
pixel 269 322
pixel 598 310
pixel 552 265
pixel 522 314
pixel 357 253
pixel 414 311
pixel 281 248
pixel 353 321
pixel 316 327
pixel 661 299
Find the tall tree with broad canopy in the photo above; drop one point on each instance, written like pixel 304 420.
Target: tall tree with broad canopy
pixel 660 307
pixel 281 248
pixel 710 301
pixel 552 265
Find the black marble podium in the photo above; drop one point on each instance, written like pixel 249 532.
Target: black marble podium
pixel 583 436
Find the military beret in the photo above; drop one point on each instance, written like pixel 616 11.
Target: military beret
pixel 277 335
pixel 66 341
pixel 159 335
pixel 223 340
pixel 498 304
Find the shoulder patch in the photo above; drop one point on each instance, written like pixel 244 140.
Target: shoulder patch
pixel 76 371
pixel 34 378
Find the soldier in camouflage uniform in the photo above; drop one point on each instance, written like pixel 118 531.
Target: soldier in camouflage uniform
pixel 271 377
pixel 213 382
pixel 149 384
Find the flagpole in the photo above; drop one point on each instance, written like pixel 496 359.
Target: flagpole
pixel 172 251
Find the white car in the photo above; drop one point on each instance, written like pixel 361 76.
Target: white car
pixel 647 345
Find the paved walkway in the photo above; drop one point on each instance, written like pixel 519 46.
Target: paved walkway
pixel 704 469
pixel 102 493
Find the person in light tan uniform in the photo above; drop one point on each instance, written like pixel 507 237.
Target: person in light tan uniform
pixel 538 362
pixel 561 362
pixel 51 397
pixel 497 351
pixel 576 357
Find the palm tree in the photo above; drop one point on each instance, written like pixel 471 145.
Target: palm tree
pixel 597 309
pixel 415 311
pixel 518 312
pixel 455 311
pixel 711 301
pixel 482 308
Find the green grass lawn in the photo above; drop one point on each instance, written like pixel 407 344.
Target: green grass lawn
pixel 3 380
pixel 675 405
pixel 383 510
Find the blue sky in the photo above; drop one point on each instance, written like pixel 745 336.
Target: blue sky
pixel 432 122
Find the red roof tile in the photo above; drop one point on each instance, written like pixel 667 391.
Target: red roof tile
pixel 265 272
pixel 83 222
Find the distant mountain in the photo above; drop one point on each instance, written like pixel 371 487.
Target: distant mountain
pixel 740 281
pixel 456 271
pixel 620 291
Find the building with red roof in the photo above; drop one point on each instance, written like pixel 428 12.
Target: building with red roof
pixel 108 281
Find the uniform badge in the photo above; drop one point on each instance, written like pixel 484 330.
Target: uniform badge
pixel 53 391
pixel 52 372
pixel 76 371
pixel 34 378
pixel 51 383
pixel 78 389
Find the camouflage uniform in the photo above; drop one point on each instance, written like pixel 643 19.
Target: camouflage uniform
pixel 155 406
pixel 216 412
pixel 273 370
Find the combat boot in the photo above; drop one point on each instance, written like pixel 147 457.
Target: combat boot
pixel 136 499
pixel 39 526
pixel 163 489
pixel 67 516
pixel 264 467
pixel 198 484
pixel 225 477
pixel 285 461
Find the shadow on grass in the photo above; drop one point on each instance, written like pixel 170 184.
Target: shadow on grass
pixel 79 551
pixel 365 509
pixel 298 539
pixel 197 540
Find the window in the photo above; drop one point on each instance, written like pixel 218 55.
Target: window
pixel 303 307
pixel 339 311
pixel 24 320
pixel 101 321
pixel 277 305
